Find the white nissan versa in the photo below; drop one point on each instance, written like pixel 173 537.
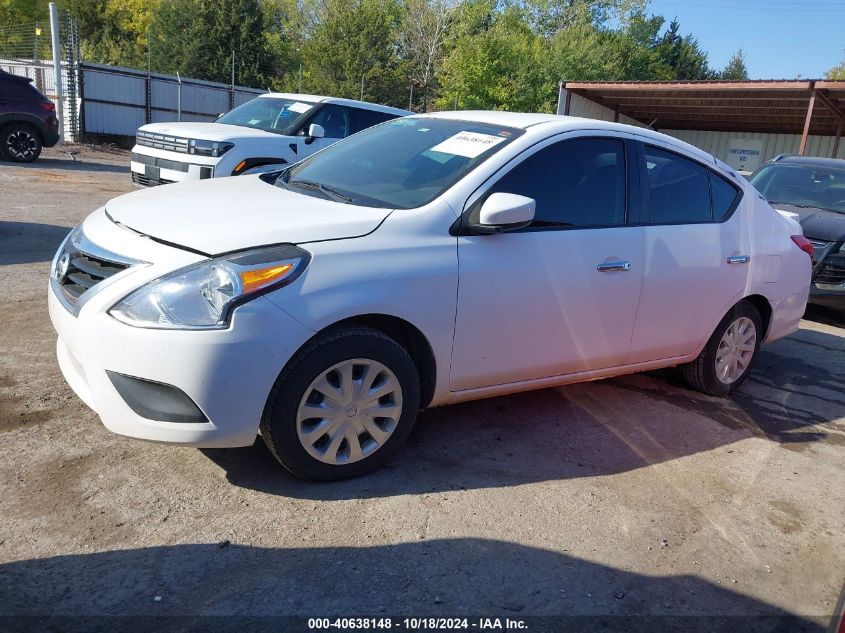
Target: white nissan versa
pixel 425 261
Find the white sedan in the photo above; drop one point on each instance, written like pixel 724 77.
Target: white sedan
pixel 428 260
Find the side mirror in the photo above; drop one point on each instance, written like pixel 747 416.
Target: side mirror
pixel 315 130
pixel 504 212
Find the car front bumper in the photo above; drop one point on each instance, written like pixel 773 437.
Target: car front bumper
pixel 828 287
pixel 828 298
pixel 226 373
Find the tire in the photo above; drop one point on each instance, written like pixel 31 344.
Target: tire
pixel 702 373
pixel 20 143
pixel 324 361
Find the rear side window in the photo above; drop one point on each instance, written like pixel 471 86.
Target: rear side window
pixel 362 119
pixel 679 192
pixel 574 183
pixel 18 89
pixel 724 196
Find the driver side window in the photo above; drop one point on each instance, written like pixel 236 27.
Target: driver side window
pixel 579 182
pixel 334 119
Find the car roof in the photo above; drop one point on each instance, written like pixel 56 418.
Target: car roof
pixel 554 123
pixel 11 77
pixel 338 101
pixel 810 161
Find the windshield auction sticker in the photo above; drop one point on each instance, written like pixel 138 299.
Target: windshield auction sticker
pixel 468 144
pixel 299 107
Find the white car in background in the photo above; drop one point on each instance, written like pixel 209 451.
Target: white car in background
pixel 429 260
pixel 272 129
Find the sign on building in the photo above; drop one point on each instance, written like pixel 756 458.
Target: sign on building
pixel 744 154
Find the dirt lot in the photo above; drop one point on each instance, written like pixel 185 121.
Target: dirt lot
pixel 624 497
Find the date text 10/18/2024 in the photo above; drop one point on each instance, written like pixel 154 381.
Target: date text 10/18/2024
pixel 418 624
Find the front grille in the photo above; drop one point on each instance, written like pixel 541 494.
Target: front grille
pixel 82 265
pixel 144 181
pixel 160 162
pixel 831 270
pixel 85 272
pixel 162 141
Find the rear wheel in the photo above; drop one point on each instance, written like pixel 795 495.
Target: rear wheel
pixel 342 405
pixel 20 142
pixel 729 355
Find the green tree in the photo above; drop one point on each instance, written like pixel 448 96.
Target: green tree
pixel 683 55
pixel 497 62
pixel 18 37
pixel 198 38
pixel 113 31
pixel 736 68
pixel 837 72
pixel 351 51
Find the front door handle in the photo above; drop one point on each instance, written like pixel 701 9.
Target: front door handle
pixel 610 267
pixel 738 259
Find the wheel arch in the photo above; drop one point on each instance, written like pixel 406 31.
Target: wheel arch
pixel 23 119
pixel 764 308
pixel 410 337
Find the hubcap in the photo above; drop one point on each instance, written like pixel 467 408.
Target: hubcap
pixel 21 144
pixel 349 411
pixel 736 349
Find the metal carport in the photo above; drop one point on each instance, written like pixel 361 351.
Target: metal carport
pixel 802 107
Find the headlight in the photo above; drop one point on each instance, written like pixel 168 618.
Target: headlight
pixel 209 148
pixel 202 296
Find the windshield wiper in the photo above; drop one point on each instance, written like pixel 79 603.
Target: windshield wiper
pixel 334 194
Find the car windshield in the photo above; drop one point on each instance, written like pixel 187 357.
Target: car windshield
pixel 802 185
pixel 273 114
pixel 402 164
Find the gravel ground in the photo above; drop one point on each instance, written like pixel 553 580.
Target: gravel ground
pixel 632 496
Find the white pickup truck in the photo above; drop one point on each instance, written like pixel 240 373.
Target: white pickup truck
pixel 274 128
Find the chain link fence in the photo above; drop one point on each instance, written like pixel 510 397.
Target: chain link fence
pixel 26 50
pixel 105 100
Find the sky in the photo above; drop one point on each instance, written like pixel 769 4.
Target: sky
pixel 782 39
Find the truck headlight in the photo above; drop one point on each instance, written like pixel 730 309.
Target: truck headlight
pixel 209 148
pixel 202 296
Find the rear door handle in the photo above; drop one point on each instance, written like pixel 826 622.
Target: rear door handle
pixel 610 267
pixel 738 259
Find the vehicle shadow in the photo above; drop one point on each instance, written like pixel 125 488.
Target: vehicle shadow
pixel 449 577
pixel 823 314
pixel 67 164
pixel 586 430
pixel 28 242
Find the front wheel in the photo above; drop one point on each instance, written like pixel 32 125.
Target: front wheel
pixel 729 355
pixel 21 143
pixel 342 405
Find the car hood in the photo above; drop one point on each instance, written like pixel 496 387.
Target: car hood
pixel 206 131
pixel 228 214
pixel 819 224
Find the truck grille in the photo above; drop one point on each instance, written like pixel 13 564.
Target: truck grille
pixel 146 181
pixel 162 141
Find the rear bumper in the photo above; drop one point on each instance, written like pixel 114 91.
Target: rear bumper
pixel 50 138
pixel 786 315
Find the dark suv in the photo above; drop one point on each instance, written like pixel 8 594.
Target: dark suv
pixel 27 119
pixel 814 188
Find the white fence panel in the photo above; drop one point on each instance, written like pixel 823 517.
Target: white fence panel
pixel 119 100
